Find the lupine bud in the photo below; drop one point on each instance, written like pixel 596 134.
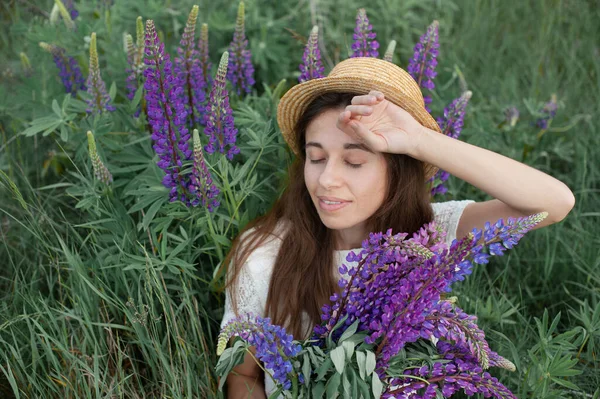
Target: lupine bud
pixel 26 65
pixel 188 70
pixel 451 124
pixel 422 65
pixel 101 172
pixel 205 63
pixel 511 115
pixel 201 182
pixel 139 33
pixel 166 115
pixel 65 14
pixel 312 67
pixel 389 53
pixel 135 62
pixel 99 99
pixel 69 71
pixel 220 127
pixel 364 44
pixel 240 70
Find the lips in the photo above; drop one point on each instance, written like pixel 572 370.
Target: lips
pixel 332 207
pixel 331 199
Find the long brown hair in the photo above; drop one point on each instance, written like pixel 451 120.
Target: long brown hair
pixel 303 276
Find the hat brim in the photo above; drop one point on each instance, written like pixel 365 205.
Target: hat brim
pixel 293 104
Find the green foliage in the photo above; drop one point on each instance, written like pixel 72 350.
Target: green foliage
pixel 110 290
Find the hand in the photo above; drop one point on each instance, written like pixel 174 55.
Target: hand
pixel 380 124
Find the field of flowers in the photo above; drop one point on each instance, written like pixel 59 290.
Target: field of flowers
pixel 138 138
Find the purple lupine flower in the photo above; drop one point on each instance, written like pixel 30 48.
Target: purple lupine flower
pixel 201 183
pixel 311 67
pixel 99 99
pixel 205 63
pixel 219 121
pixel 398 283
pixel 456 374
pixel 364 44
pixel 424 60
pixel 389 52
pixel 189 70
pixel 548 113
pixel 451 125
pixel 69 71
pixel 166 115
pixel 511 115
pixel 274 347
pixel 240 70
pixel 70 5
pixel 101 172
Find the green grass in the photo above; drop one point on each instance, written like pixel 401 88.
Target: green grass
pixel 101 301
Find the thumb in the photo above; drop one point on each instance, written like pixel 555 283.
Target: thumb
pixel 365 136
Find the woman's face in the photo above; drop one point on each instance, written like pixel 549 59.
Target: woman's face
pixel 346 181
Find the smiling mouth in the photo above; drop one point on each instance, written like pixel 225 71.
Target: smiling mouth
pixel 331 206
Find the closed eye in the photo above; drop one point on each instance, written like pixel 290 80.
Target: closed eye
pixel 352 165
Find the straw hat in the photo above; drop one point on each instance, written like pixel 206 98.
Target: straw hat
pixel 357 75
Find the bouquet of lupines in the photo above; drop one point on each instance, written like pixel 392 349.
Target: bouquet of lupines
pixel 393 331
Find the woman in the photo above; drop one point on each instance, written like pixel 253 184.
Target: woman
pixel 362 164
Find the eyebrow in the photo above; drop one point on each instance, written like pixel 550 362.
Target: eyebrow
pixel 347 146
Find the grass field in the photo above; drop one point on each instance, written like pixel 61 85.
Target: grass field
pixel 109 291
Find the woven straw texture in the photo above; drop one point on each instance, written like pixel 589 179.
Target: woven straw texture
pixel 358 75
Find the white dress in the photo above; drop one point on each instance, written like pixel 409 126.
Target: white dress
pixel 255 275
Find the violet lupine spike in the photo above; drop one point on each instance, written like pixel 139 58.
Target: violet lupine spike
pixel 69 71
pixel 99 99
pixel 548 113
pixel 453 325
pixel 274 347
pixel 389 53
pixel 219 122
pixel 424 60
pixel 166 116
pixel 427 382
pixel 364 44
pixel 394 288
pixel 189 70
pixel 311 67
pixel 240 70
pixel 451 125
pixel 70 5
pixel 201 184
pixel 101 172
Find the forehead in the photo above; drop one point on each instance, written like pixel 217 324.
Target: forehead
pixel 323 129
pixel 322 132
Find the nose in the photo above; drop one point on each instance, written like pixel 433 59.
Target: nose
pixel 330 177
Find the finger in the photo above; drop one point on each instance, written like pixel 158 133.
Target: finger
pixel 356 110
pixel 377 95
pixel 366 99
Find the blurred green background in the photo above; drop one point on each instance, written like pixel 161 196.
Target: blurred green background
pixel 105 295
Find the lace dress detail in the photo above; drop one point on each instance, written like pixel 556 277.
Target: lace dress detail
pixel 253 286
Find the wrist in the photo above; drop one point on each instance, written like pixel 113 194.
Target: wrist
pixel 421 139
